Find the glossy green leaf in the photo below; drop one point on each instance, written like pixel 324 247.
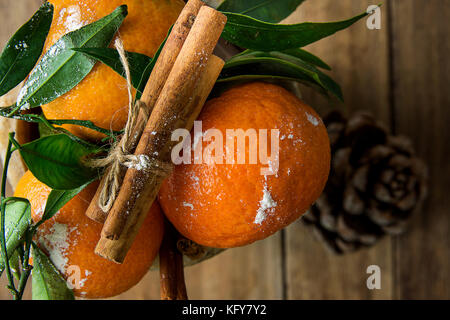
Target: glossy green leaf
pixel 17 220
pixel 62 68
pixel 24 49
pixel 47 282
pixel 14 265
pixel 56 160
pixel 136 61
pixel 265 10
pixel 307 57
pixel 57 199
pixel 44 130
pixel 250 33
pixel 299 53
pixel 141 66
pixel 277 65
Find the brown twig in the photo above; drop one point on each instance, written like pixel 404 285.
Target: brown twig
pixel 171 269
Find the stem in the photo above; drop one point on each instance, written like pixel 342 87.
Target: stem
pixel 4 251
pixel 171 268
pixel 38 118
pixel 26 268
pixel 21 255
pixel 14 110
pixel 49 125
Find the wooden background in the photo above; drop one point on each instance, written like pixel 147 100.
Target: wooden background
pixel 401 73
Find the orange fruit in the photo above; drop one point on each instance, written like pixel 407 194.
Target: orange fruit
pixel 102 96
pixel 228 205
pixel 69 238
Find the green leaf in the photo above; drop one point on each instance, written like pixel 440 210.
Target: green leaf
pixel 277 65
pixel 141 66
pixel 61 68
pixel 47 282
pixel 17 220
pixel 265 10
pixel 307 57
pixel 24 49
pixel 254 34
pixel 299 53
pixel 57 199
pixel 14 265
pixel 56 160
pixel 136 61
pixel 44 130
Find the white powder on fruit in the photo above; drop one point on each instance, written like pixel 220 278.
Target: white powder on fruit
pixel 190 205
pixel 87 273
pixel 266 204
pixel 312 119
pixel 56 243
pixel 72 18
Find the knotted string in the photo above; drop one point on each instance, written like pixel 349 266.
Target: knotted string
pixel 121 152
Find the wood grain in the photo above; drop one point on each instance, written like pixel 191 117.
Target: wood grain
pixel 421 76
pixel 359 58
pixel 251 272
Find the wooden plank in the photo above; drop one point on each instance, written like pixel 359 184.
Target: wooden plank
pixel 421 44
pixel 359 58
pixel 13 14
pixel 250 272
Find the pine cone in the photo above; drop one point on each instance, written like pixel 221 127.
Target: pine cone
pixel 375 184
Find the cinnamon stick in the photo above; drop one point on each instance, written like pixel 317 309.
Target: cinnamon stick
pixel 180 103
pixel 155 84
pixel 171 268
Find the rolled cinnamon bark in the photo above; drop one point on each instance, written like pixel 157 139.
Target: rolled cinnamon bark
pixel 179 105
pixel 155 84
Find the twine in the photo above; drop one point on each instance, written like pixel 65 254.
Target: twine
pixel 120 154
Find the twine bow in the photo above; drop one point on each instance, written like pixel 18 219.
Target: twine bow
pixel 121 152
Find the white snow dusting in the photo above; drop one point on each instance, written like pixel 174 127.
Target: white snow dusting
pixel 267 203
pixel 56 243
pixel 312 119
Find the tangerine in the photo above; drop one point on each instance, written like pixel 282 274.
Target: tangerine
pixel 234 204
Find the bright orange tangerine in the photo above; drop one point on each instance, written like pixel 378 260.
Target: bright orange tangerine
pixel 229 205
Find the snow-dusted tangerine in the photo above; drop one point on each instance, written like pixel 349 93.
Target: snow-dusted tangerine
pixel 219 204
